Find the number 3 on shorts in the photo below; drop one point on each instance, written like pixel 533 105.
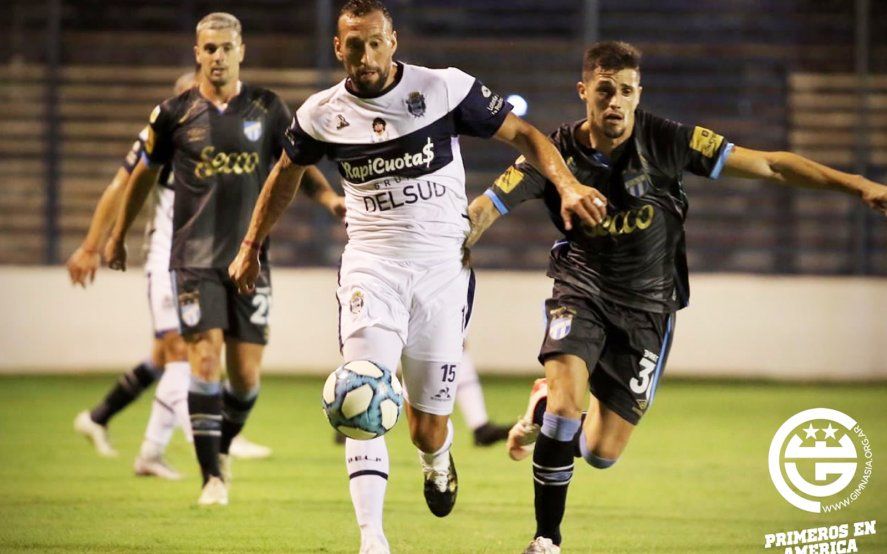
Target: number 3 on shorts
pixel 262 303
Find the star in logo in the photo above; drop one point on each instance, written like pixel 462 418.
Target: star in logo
pixel 811 431
pixel 830 432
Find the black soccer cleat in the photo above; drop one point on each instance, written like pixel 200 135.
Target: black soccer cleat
pixel 490 433
pixel 441 489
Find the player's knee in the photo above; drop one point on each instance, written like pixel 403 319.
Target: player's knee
pixel 599 462
pixel 174 349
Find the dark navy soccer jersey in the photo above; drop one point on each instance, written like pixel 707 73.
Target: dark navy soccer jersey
pixel 399 158
pixel 220 161
pixel 637 256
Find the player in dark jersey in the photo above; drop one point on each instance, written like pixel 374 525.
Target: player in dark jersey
pixel 617 285
pixel 222 139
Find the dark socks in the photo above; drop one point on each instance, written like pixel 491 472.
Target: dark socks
pixel 235 409
pixel 128 387
pixel 205 407
pixel 552 472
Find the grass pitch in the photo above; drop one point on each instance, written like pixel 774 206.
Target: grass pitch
pixel 694 478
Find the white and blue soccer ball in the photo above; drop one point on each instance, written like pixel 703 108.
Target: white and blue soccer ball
pixel 362 400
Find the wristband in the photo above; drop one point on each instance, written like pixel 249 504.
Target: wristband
pixel 251 244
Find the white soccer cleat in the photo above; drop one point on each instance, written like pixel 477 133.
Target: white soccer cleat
pixel 374 545
pixel 156 467
pixel 542 545
pixel 94 433
pixel 225 468
pixel 214 493
pixel 522 436
pixel 243 449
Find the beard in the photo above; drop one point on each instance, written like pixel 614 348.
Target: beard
pixel 614 132
pixel 371 87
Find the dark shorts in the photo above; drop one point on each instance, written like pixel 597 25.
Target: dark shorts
pixel 207 299
pixel 624 348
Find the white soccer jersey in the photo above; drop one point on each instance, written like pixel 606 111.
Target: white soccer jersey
pixel 398 155
pixel 158 232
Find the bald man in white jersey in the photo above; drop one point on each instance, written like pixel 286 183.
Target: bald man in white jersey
pixel 404 293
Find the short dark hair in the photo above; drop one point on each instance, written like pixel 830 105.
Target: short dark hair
pixel 612 55
pixel 379 121
pixel 360 8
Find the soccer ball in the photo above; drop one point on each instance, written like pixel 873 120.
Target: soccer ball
pixel 362 400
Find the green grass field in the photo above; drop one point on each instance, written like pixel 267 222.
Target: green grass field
pixel 694 478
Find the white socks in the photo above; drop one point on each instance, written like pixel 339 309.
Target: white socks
pixel 367 465
pixel 469 395
pixel 170 408
pixel 439 460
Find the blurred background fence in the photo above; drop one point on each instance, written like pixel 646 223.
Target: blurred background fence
pixel 79 77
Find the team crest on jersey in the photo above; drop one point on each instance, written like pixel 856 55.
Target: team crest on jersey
pixel 252 130
pixel 356 303
pixel 189 308
pixel 416 104
pixel 561 323
pixel 636 183
pixel 341 122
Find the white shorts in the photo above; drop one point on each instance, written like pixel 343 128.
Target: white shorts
pixel 162 303
pixel 426 305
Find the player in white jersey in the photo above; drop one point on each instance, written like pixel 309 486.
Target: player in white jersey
pixel 404 292
pixel 167 353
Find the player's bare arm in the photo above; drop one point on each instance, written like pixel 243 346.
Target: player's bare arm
pixel 277 194
pixel 576 199
pixel 795 170
pixel 84 262
pixel 317 188
pixel 137 189
pixel 482 213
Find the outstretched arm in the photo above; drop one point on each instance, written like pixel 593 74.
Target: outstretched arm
pixel 137 189
pixel 576 199
pixel 277 194
pixel 84 262
pixel 792 169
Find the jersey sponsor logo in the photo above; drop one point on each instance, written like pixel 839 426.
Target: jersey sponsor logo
pixel 623 223
pixel 409 194
pixel 225 163
pixel 252 130
pixel 510 179
pixel 416 104
pixel 561 323
pixel 705 142
pixel 382 166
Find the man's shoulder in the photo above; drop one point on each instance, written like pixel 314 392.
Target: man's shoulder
pixel 177 104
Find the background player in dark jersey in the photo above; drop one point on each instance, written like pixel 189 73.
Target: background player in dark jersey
pixel 617 285
pixel 168 348
pixel 222 138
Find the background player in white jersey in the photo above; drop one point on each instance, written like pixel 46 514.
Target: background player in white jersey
pixel 404 293
pixel 168 349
